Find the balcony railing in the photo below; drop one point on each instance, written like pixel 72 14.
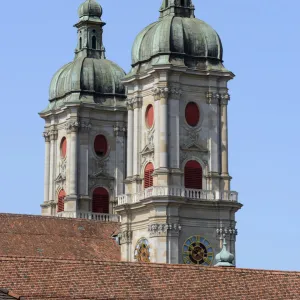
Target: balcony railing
pixel 169 191
pixel 90 216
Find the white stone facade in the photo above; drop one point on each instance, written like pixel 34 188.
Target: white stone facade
pixel 81 171
pixel 167 214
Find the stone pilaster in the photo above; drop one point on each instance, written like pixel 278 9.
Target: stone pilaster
pixel 52 168
pixel 137 104
pixel 71 200
pixel 130 139
pixel 120 134
pixel 224 98
pixel 47 166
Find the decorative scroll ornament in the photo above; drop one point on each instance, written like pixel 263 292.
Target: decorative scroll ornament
pixel 120 130
pixel 163 229
pixel 225 98
pixel 175 93
pixel 212 98
pixel 160 93
pixel 125 237
pixel 62 171
pixel 85 126
pixel 134 102
pixel 72 126
pixel 46 136
pixel 53 134
pixel 226 231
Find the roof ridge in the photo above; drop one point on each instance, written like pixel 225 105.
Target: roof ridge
pixel 151 265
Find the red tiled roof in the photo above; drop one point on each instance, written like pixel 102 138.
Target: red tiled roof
pixel 23 235
pixel 40 278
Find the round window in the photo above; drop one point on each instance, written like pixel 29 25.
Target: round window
pixel 192 114
pixel 149 116
pixel 100 145
pixel 63 147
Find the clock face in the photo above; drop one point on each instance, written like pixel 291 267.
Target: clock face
pixel 197 250
pixel 142 251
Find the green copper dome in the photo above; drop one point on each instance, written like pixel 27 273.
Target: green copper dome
pixel 89 75
pixel 90 8
pixel 178 35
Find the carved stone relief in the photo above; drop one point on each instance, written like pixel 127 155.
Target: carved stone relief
pixel 163 229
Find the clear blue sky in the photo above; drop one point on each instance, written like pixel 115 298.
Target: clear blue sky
pixel 261 44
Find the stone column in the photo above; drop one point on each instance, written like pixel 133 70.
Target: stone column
pixel 157 130
pixel 52 163
pixel 130 139
pixel 47 166
pixel 224 139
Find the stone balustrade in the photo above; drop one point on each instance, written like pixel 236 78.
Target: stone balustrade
pixel 90 216
pixel 169 191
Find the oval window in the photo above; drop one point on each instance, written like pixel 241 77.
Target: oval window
pixel 63 147
pixel 100 145
pixel 192 114
pixel 149 116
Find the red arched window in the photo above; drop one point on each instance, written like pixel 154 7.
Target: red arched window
pixel 63 147
pixel 148 179
pixel 149 116
pixel 192 114
pixel 100 145
pixel 61 201
pixel 100 201
pixel 193 175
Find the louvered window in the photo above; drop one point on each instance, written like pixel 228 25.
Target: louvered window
pixel 63 147
pixel 148 179
pixel 192 114
pixel 149 116
pixel 61 201
pixel 193 175
pixel 100 145
pixel 100 201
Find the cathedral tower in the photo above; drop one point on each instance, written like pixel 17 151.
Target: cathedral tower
pixel 86 121
pixel 178 204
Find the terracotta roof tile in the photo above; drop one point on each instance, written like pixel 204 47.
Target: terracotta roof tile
pixel 70 279
pixel 23 235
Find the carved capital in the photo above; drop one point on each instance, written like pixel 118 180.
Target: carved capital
pixel 163 229
pixel 175 93
pixel 160 93
pixel 137 102
pixel 72 126
pixel 226 231
pixel 85 126
pixel 129 104
pixel 46 136
pixel 53 135
pixel 225 98
pixel 212 98
pixel 120 130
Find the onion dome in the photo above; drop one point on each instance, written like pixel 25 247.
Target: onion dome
pixel 100 77
pixel 90 73
pixel 177 38
pixel 90 8
pixel 224 258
